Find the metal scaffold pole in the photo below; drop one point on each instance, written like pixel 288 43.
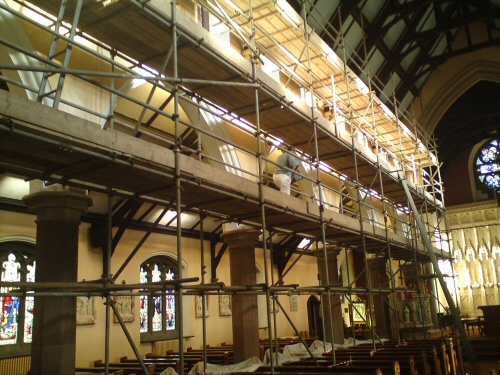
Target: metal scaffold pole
pixel 451 304
pixel 178 196
pixel 352 206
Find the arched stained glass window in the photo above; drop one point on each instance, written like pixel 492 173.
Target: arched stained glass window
pixel 158 310
pixel 17 260
pixel 487 165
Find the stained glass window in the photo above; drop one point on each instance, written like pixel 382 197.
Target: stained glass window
pixel 158 310
pixel 18 264
pixel 487 165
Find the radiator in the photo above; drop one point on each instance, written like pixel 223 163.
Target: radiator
pixel 161 347
pixel 15 366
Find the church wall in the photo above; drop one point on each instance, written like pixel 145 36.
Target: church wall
pixel 476 252
pixel 456 180
pixel 304 273
pixel 218 328
pixel 14 226
pixel 90 344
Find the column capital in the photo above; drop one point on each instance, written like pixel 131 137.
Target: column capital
pixel 58 205
pixel 331 251
pixel 376 262
pixel 241 238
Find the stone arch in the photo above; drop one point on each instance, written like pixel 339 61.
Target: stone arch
pixel 454 87
pixel 314 317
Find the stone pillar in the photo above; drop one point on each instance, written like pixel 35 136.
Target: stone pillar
pixel 381 311
pixel 333 274
pixel 54 327
pixel 245 310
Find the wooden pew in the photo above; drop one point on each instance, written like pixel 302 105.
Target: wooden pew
pixel 336 371
pixel 361 366
pixel 128 368
pixel 216 358
pixel 95 370
pixel 160 364
pixel 449 350
pixel 406 362
pixel 434 361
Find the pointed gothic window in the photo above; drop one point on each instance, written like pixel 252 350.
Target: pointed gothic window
pixel 17 260
pixel 158 310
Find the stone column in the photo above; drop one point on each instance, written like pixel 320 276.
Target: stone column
pixel 54 327
pixel 330 264
pixel 245 311
pixel 381 310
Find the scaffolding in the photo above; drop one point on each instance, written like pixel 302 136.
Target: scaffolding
pixel 370 174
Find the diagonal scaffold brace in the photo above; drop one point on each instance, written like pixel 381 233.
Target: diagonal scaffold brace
pixel 453 309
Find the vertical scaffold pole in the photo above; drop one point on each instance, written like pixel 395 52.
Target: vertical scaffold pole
pixel 323 224
pixel 177 151
pixel 258 135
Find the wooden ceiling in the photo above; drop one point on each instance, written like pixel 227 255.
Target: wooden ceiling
pixel 146 35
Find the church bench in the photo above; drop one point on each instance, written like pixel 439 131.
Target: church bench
pixel 171 361
pixel 160 364
pixel 406 365
pixel 409 360
pixel 128 368
pixel 211 349
pixel 113 370
pixel 95 370
pixel 434 360
pixel 386 367
pixel 222 346
pixel 216 358
pixel 336 371
pixel 425 363
pixel 452 348
pixel 160 360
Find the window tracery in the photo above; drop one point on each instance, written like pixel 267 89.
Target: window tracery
pixel 487 165
pixel 16 320
pixel 158 311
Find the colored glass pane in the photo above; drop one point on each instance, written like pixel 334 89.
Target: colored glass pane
pixel 158 311
pixel 143 309
pixel 10 304
pixel 17 264
pixel 488 165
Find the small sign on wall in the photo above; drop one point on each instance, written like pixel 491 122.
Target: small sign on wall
pixel 126 308
pixel 199 307
pixel 294 302
pixel 225 305
pixel 85 311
